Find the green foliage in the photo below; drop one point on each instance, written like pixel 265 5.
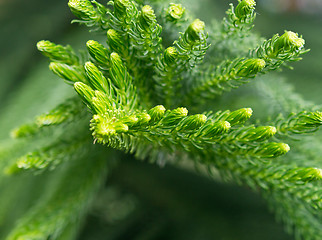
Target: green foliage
pixel 135 88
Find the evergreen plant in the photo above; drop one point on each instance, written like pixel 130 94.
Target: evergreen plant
pixel 159 88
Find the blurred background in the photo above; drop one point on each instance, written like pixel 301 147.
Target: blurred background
pixel 195 207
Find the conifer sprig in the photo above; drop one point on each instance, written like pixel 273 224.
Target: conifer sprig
pixel 66 204
pixel 66 112
pixel 48 158
pixel 136 88
pixel 279 50
pixel 213 81
pixel 240 18
pixel 90 13
pixel 186 52
pixel 303 122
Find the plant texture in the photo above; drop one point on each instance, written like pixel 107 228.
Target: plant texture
pixel 154 88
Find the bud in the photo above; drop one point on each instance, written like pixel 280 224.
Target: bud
pixel 304 174
pixel 96 78
pixel 143 118
pixel 316 174
pixel 174 116
pixel 156 113
pixel 175 12
pixel 114 40
pixel 245 8
pixel 51 118
pixel 70 73
pixel 195 31
pixel 311 119
pixel 57 53
pixel 146 17
pixel 104 127
pixel 239 116
pixel 97 51
pixel 117 70
pixel 170 56
pixel 120 8
pixel 193 122
pixel 289 41
pixel 83 9
pixel 258 134
pixel 250 67
pixel 213 130
pixel 85 92
pixel 25 131
pixel 272 150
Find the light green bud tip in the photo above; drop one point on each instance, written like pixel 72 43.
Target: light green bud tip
pixel 116 60
pixel 289 41
pixel 113 35
pixel 193 122
pixel 239 116
pixel 57 52
pixel 273 149
pixel 317 172
pixel 225 125
pixel 271 130
pixel 90 67
pixel 70 73
pixel 97 51
pixel 94 47
pixel 84 91
pixel 175 116
pixel 74 3
pixel 24 131
pixel 96 78
pixel 120 7
pixel 82 9
pixel 251 67
pixel 200 118
pixel 170 55
pixel 259 133
pixel 148 14
pixel 215 129
pixel 311 119
pixel 44 45
pixel 244 8
pixel 156 113
pixel 143 118
pixel 104 127
pixel 309 174
pixel 182 112
pixel 91 44
pixel 175 12
pixel 195 30
pixel 114 39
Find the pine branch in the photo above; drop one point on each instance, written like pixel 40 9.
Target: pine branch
pixel 49 157
pixel 279 50
pixel 240 19
pixel 66 112
pixel 90 13
pixel 186 52
pixel 66 204
pixel 120 84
